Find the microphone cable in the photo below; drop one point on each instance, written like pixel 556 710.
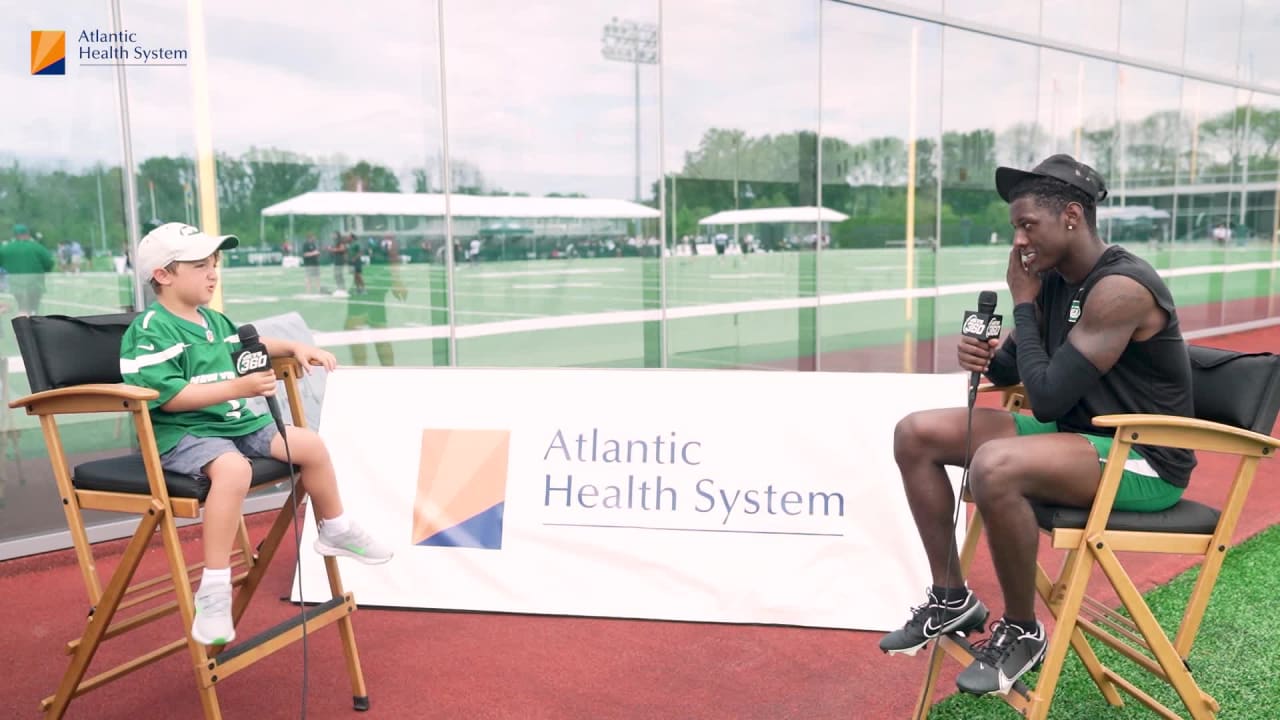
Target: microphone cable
pixel 953 551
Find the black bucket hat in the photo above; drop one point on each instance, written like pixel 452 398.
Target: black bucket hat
pixel 1059 167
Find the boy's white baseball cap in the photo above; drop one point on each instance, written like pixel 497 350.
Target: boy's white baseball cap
pixel 178 242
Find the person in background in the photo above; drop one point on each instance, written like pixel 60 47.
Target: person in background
pixel 25 262
pixel 311 263
pixel 368 307
pixel 338 253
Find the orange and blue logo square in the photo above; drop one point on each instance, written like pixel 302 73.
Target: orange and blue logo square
pixel 48 52
pixel 462 488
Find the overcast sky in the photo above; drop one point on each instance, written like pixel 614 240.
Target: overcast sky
pixel 534 105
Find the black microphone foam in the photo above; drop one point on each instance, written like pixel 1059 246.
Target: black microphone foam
pixel 986 302
pixel 252 357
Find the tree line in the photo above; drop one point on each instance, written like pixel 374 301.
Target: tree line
pixel 728 169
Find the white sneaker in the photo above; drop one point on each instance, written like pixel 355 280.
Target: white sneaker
pixel 354 543
pixel 213 624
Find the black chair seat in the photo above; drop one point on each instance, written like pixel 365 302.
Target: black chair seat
pixel 1186 517
pixel 126 474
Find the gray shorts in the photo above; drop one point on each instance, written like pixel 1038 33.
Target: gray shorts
pixel 192 453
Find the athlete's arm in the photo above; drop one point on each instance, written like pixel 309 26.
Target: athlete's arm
pixel 1118 307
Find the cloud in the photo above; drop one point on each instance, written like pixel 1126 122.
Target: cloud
pixel 536 107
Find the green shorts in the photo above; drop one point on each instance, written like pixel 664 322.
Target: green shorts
pixel 1141 489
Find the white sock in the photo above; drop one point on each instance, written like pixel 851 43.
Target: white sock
pixel 215 576
pixel 335 526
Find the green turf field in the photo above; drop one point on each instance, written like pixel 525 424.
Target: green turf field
pixel 720 311
pixel 1235 656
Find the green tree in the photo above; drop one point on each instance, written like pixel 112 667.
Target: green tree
pixel 366 177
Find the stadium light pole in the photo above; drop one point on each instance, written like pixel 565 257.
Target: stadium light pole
pixel 636 43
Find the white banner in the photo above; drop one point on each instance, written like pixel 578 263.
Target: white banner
pixel 743 497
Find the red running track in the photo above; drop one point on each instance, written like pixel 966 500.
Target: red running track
pixel 422 664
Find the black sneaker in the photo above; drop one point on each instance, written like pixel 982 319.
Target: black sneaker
pixel 932 619
pixel 1001 659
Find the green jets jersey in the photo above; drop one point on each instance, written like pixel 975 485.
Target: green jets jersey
pixel 163 352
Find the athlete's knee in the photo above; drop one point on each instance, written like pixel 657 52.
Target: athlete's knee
pixel 907 436
pixel 993 472
pixel 918 434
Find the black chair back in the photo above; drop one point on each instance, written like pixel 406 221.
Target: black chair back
pixel 1236 388
pixel 61 351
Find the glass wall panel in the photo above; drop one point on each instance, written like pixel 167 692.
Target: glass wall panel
pixel 553 112
pixel 1015 15
pixel 1063 19
pixel 1259 50
pixel 1077 109
pixel 1002 129
pixel 297 109
pixel 63 233
pixel 1213 36
pixel 1208 200
pixel 873 130
pixel 1142 203
pixel 741 119
pixel 1153 30
pixel 1248 293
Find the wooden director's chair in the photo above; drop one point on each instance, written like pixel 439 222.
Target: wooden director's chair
pixel 1237 396
pixel 73 366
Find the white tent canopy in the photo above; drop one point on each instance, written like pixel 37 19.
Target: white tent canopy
pixel 476 206
pixel 774 215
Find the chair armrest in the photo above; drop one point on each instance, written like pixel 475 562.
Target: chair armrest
pixel 1188 433
pixel 1014 397
pixel 84 398
pixel 286 363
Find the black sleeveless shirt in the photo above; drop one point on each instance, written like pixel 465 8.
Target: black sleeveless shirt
pixel 1152 376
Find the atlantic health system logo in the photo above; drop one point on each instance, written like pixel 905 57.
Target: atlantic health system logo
pixel 48 52
pixel 462 488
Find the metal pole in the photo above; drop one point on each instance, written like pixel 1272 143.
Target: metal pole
pixel 127 170
pixel 636 65
pixel 662 254
pixel 102 212
pixel 446 186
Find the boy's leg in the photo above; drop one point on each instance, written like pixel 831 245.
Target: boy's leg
pixel 309 453
pixel 338 535
pixel 229 474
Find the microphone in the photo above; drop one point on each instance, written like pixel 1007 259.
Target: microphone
pixel 982 325
pixel 252 357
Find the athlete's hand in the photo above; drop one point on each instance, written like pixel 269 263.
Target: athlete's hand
pixel 1024 283
pixel 975 355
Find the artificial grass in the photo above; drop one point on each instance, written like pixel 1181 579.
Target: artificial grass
pixel 1235 659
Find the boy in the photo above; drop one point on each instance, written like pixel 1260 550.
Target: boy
pixel 182 349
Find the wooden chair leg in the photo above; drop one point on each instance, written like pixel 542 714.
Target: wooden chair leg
pixel 266 553
pixel 104 610
pixel 1092 664
pixel 1076 577
pixel 186 610
pixel 1198 703
pixel 359 693
pixel 925 701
